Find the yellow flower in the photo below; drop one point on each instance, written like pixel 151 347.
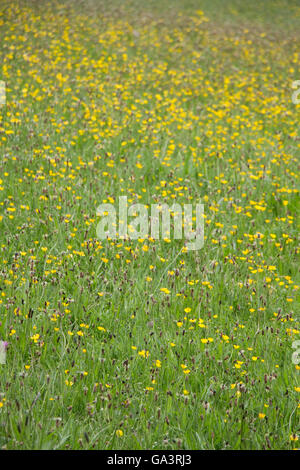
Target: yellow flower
pixel 35 337
pixel 143 353
pixel 119 432
pixel 165 290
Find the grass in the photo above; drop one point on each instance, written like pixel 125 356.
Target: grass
pixel 138 344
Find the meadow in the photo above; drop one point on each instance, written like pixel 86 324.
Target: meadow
pixel 142 344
